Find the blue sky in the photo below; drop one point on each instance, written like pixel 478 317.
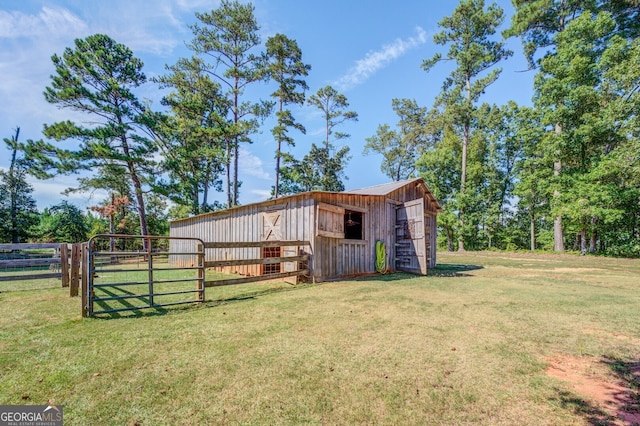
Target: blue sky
pixel 370 51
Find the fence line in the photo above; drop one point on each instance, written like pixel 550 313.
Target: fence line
pixel 297 260
pixel 18 257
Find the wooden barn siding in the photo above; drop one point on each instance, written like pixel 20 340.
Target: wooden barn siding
pixel 244 224
pixel 331 257
pixel 337 257
pixel 234 226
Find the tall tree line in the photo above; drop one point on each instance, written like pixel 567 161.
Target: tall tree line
pixel 194 145
pixel 559 175
pixel 562 174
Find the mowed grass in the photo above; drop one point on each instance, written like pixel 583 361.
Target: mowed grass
pixel 466 345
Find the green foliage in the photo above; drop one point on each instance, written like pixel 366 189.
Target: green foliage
pixel 469 33
pixel 17 207
pixel 321 169
pixel 229 36
pixel 157 215
pixel 97 77
pixel 193 136
pixel 400 149
pixel 177 212
pixel 333 106
pixel 538 21
pixel 317 171
pixel 287 70
pixel 18 211
pixel 507 176
pixel 381 257
pixel 62 223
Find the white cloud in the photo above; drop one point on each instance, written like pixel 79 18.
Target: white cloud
pixel 205 5
pixel 49 192
pixel 251 165
pixel 261 194
pixel 373 61
pixel 49 22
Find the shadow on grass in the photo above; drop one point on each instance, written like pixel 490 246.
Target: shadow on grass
pixel 125 309
pixel 443 270
pixel 589 411
pixel 103 305
pixel 627 402
pixel 622 404
pixel 250 295
pixel 187 306
pixel 452 270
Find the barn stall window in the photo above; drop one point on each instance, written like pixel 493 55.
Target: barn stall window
pixel 338 222
pixel 353 225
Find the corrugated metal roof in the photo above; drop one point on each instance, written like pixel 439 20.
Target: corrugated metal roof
pixel 376 190
pixel 382 189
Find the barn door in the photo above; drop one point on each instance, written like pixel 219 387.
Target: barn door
pixel 411 239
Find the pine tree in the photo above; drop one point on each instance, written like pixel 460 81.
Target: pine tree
pixel 287 70
pixel 229 36
pixel 97 77
pixel 468 32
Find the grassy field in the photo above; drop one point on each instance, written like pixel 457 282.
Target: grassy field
pixel 470 344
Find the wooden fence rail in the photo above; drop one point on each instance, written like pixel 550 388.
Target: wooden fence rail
pixel 63 262
pixel 297 260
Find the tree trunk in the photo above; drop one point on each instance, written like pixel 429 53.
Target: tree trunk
pixel 463 171
pixel 236 140
pixel 227 147
pixel 137 187
pixel 594 236
pixel 558 237
pixel 448 233
pixel 276 192
pixel 592 243
pixel 583 241
pixel 532 227
pixel 236 153
pixel 205 197
pixel 13 184
pixel 112 223
pixel 532 220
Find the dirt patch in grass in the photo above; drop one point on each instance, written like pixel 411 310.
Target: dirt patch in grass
pixel 607 383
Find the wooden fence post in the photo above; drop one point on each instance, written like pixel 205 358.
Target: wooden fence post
pixel 85 278
pixel 64 264
pixel 75 270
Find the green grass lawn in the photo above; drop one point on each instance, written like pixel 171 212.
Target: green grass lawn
pixel 468 344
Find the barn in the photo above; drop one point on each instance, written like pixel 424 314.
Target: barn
pixel 341 229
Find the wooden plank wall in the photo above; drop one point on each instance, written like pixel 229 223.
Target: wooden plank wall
pixel 338 257
pixel 243 224
pixel 331 258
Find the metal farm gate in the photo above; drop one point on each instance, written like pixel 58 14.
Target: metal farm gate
pixel 127 272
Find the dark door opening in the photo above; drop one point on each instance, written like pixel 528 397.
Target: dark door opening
pixel 353 225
